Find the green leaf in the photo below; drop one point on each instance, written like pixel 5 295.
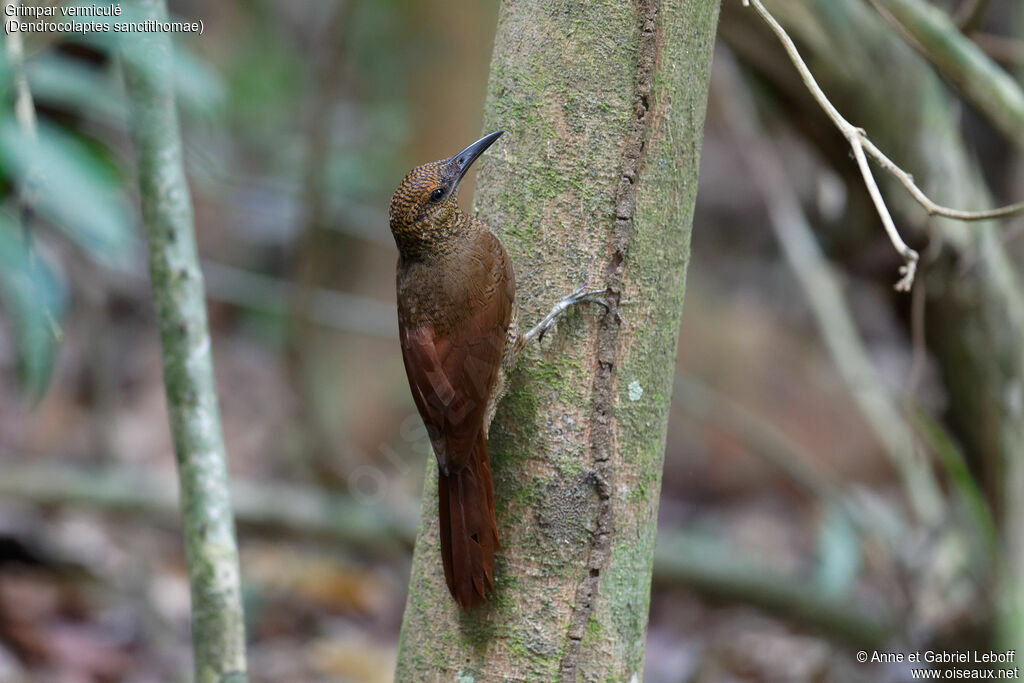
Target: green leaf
pixel 34 299
pixel 70 84
pixel 71 188
pixel 197 88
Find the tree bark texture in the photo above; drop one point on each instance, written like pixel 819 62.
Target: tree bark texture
pixel 218 634
pixel 595 183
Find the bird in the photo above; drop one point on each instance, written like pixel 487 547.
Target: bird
pixel 458 331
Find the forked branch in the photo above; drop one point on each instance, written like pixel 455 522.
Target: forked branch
pixel 861 144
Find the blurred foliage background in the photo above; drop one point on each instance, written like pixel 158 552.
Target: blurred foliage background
pixel 789 539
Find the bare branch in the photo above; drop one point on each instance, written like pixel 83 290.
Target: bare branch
pixel 859 144
pixel 930 206
pixel 825 296
pixel 910 257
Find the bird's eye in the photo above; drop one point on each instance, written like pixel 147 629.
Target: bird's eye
pixel 437 194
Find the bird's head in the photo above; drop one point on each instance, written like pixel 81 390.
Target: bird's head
pixel 425 202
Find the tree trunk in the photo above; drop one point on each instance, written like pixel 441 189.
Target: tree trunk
pixel 218 629
pixel 595 183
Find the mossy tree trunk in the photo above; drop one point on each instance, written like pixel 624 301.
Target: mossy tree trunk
pixel 218 629
pixel 595 183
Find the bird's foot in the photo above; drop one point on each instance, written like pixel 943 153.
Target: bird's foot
pixel 580 295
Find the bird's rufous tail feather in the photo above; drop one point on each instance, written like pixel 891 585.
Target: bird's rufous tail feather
pixel 469 534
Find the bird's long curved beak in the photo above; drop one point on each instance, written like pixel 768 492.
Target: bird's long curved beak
pixel 464 159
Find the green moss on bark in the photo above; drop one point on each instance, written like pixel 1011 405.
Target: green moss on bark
pixel 589 94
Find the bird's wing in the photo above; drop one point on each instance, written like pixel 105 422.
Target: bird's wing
pixel 452 375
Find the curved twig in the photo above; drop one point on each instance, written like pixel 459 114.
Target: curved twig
pixel 861 144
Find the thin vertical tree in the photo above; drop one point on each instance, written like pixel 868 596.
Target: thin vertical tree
pixel 595 183
pixel 218 631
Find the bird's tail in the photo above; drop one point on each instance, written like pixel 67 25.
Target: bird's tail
pixel 469 534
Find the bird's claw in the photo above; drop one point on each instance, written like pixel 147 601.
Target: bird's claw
pixel 579 295
pixel 595 300
pixel 582 294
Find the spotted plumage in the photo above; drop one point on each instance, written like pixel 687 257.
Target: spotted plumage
pixel 457 323
pixel 456 296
